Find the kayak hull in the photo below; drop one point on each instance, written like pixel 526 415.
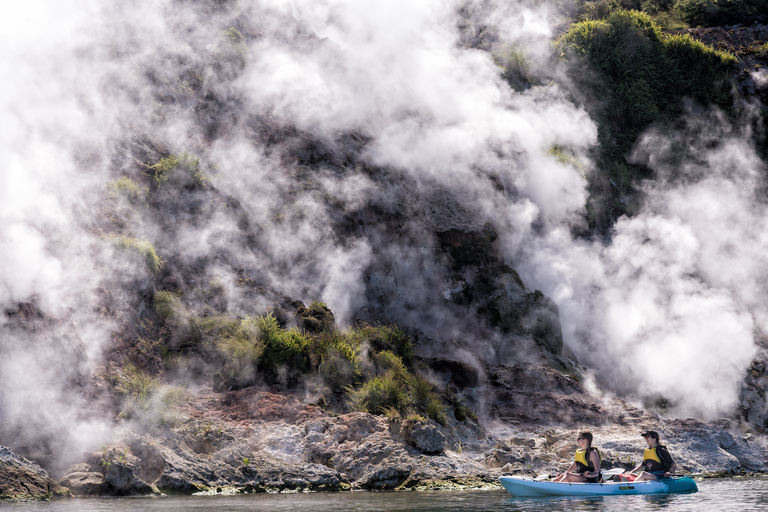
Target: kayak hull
pixel 527 487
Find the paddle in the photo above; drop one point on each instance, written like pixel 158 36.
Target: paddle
pixel 608 473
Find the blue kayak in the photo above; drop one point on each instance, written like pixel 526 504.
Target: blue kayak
pixel 528 487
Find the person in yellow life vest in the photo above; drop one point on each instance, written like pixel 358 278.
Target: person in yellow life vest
pixel 586 464
pixel 657 461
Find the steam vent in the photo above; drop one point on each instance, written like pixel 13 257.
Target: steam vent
pixel 255 246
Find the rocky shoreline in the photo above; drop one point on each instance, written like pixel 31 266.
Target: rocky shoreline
pixel 256 440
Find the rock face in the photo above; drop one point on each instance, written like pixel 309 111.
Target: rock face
pixel 482 280
pixel 754 401
pixel 426 438
pixel 253 440
pixel 21 479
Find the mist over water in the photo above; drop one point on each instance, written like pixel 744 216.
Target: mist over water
pixel 667 307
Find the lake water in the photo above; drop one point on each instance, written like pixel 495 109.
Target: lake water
pixel 742 495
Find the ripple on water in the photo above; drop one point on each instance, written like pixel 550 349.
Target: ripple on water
pixel 741 495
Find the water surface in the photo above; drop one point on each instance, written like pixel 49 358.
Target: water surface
pixel 742 495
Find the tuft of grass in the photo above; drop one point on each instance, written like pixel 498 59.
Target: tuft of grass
pixel 146 249
pixel 336 355
pixel 378 394
pixel 391 338
pixel 137 383
pixel 517 68
pixel 242 347
pixel 137 387
pixel 179 170
pixel 127 188
pixel 231 53
pixel 425 399
pixel 168 304
pixel 170 398
pixel 283 349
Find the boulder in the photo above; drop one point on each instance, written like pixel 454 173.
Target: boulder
pixel 22 479
pixel 426 438
pixel 85 483
pixel 315 318
pixel 120 470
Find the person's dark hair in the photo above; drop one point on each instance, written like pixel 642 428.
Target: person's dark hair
pixel 651 433
pixel 588 437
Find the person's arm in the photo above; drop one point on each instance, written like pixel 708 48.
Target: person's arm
pixel 671 466
pixel 595 464
pixel 636 468
pixel 671 469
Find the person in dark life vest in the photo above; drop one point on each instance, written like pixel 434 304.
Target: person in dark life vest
pixel 657 462
pixel 586 464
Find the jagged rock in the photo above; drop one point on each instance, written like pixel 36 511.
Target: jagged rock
pixel 85 483
pixel 459 374
pixel 537 394
pixel 426 438
pixel 123 477
pixel 495 288
pixel 754 401
pixel 120 470
pixel 502 458
pixel 265 473
pixel 315 318
pixel 22 479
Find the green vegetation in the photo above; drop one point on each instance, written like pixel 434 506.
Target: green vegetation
pixel 168 304
pixel 368 368
pixel 144 397
pixel 231 53
pixel 146 249
pixel 642 75
pixel 680 14
pixel 179 171
pixel 127 188
pixel 395 391
pixel 517 68
pixel 137 383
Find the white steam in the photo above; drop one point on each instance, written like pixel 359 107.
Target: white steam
pixel 667 308
pixel 670 306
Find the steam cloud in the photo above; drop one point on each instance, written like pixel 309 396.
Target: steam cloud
pixel 666 308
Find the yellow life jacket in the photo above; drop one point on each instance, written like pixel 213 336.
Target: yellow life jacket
pixel 652 461
pixel 583 461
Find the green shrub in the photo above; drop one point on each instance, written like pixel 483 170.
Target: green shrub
pixel 137 387
pixel 378 394
pixel 231 53
pixel 145 248
pixel 391 338
pixel 127 188
pixel 179 171
pixel 425 399
pixel 641 76
pixel 137 383
pixel 168 305
pixel 711 13
pixel 336 356
pixel 168 412
pixel 241 345
pixel 336 370
pixel 517 68
pixel 284 350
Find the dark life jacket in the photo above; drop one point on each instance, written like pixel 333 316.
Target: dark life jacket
pixel 584 463
pixel 657 459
